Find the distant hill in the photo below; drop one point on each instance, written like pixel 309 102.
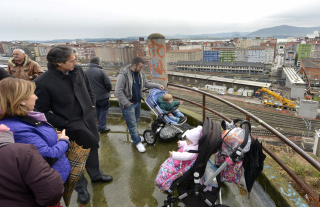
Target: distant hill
pixel 209 36
pixel 283 31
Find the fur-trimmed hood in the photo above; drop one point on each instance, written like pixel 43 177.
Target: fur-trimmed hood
pixel 25 63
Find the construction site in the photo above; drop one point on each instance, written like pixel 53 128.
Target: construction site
pixel 272 103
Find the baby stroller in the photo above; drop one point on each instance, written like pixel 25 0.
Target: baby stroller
pixel 189 186
pixel 162 127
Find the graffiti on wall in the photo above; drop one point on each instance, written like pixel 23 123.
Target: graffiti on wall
pixel 157 54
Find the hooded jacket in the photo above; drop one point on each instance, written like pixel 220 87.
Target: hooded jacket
pixel 29 131
pixel 28 71
pixel 124 83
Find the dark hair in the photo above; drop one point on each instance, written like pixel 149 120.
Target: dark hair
pixel 137 60
pixel 95 60
pixel 59 54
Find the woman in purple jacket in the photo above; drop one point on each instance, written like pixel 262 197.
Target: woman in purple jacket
pixel 17 101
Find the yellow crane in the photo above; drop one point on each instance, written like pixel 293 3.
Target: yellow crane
pixel 286 103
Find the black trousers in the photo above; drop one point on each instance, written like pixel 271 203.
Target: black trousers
pixel 92 167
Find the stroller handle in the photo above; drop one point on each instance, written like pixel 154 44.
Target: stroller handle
pixel 238 152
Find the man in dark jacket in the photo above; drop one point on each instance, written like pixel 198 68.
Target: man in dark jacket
pixel 4 74
pixel 101 86
pixel 26 179
pixel 66 98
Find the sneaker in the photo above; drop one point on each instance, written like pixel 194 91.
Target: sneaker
pixel 140 147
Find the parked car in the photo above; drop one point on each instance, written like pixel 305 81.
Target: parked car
pixel 220 93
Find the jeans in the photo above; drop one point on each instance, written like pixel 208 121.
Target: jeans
pixel 102 107
pixel 132 116
pixel 175 115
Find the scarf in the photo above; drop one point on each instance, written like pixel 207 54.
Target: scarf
pixel 38 116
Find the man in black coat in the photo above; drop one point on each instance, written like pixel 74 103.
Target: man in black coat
pixel 66 98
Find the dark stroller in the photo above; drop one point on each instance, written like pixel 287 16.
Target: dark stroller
pixel 191 191
pixel 162 127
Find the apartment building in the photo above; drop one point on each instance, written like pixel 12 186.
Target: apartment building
pixel 245 43
pixel 303 52
pixel 241 55
pixel 114 53
pixel 261 54
pixel 211 55
pixel 310 67
pixel 174 56
pixel 140 49
pixel 315 50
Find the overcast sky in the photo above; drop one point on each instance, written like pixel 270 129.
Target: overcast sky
pixel 65 19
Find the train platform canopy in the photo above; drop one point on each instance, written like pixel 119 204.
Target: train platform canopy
pixel 293 77
pixel 220 79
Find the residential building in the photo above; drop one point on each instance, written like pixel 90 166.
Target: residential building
pixel 241 55
pixel 315 50
pixel 303 52
pixel 310 67
pixel 174 56
pixel 211 55
pixel 140 49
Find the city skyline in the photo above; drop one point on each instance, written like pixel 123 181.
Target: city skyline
pixel 70 19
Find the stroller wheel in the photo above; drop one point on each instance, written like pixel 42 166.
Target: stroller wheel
pixel 149 137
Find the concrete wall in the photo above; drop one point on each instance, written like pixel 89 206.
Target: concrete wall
pixel 308 108
pixel 297 91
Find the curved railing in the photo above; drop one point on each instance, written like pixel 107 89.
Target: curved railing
pixel 250 116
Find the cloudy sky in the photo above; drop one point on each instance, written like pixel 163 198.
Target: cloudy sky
pixel 64 19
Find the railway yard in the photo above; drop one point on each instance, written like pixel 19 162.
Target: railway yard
pixel 284 121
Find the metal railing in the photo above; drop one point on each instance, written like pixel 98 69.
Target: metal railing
pixel 249 117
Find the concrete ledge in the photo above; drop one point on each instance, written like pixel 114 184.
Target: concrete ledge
pixel 281 192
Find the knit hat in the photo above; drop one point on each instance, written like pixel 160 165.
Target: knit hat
pixel 193 134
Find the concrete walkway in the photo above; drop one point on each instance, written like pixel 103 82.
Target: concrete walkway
pixel 134 173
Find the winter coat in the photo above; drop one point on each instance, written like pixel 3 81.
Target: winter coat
pixel 67 102
pixel 4 74
pixel 183 155
pixel 29 131
pixel 29 70
pixel 165 105
pixel 124 83
pixel 26 179
pixel 99 81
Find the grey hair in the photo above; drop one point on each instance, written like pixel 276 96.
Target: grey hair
pixel 95 60
pixel 59 54
pixel 20 50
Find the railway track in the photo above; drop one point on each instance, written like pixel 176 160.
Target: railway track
pixel 286 123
